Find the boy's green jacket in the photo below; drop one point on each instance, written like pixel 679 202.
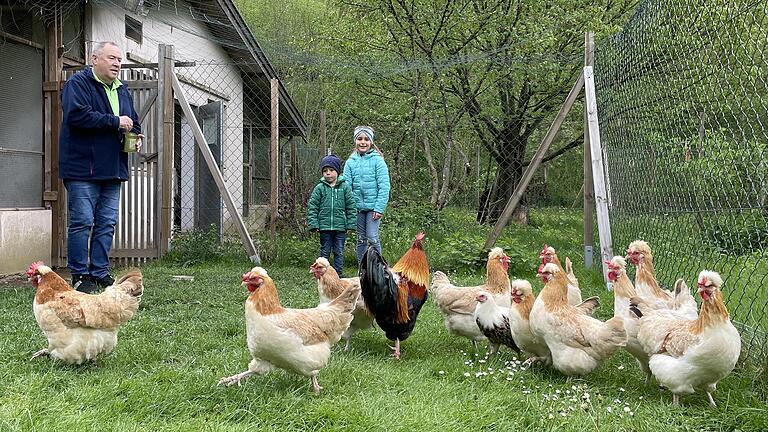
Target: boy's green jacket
pixel 332 208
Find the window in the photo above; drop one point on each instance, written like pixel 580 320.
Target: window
pixel 133 29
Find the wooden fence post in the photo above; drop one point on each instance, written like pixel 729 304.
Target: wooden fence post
pixel 589 191
pixel 164 135
pixel 596 151
pixel 274 156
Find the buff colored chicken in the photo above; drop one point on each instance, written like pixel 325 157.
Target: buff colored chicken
pixel 690 355
pixel 80 326
pixel 623 290
pixel 577 342
pixel 548 255
pixel 457 304
pixel 330 286
pixel 297 340
pixel 520 326
pixel 647 287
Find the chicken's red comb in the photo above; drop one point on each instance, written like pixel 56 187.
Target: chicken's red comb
pixel 420 236
pixel 33 268
pixel 544 250
pixel 702 282
pixel 541 267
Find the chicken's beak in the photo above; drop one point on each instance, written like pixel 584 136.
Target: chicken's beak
pixel 705 292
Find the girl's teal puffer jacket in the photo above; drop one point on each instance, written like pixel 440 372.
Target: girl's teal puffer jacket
pixel 369 177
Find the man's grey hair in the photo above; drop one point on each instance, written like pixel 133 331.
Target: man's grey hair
pixel 99 46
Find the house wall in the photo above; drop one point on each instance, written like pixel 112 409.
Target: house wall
pixel 192 42
pixel 25 237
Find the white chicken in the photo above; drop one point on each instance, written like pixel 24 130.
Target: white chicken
pixel 297 340
pixel 689 355
pixel 577 342
pixel 330 286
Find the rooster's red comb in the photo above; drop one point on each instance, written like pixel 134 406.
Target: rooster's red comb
pixel 33 268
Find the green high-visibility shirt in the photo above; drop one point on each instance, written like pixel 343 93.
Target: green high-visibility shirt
pixel 111 91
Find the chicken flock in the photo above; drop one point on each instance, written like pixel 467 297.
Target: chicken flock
pixel 684 347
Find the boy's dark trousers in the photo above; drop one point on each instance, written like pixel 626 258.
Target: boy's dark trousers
pixel 333 241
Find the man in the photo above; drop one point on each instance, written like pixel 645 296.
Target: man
pixel 98 110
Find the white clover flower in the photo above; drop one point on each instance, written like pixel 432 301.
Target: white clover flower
pixel 442 372
pixel 627 409
pixel 466 374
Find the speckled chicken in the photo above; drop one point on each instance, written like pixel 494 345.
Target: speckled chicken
pixel 493 321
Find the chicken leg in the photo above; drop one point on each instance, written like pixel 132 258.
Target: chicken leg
pixel 42 353
pixel 711 400
pixel 396 350
pixel 315 385
pixel 235 379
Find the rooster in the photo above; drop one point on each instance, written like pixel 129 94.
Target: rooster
pixel 330 286
pixel 577 342
pixel 688 355
pixel 395 295
pixel 519 324
pixel 457 304
pixel 548 255
pixel 80 326
pixel 297 340
pixel 493 321
pixel 639 254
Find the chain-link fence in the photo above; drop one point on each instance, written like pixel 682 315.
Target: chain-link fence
pixel 683 105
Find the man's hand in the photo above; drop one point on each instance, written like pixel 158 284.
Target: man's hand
pixel 139 142
pixel 376 216
pixel 126 123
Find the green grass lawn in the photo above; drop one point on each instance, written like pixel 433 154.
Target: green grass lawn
pixel 187 335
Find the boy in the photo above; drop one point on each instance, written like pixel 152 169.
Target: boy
pixel 332 211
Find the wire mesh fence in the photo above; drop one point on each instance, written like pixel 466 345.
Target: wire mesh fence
pixel 683 105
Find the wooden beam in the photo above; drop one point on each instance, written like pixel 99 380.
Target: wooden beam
pixel 596 151
pixel 148 104
pixel 21 40
pixel 274 155
pixel 588 188
pixel 202 145
pixel 514 200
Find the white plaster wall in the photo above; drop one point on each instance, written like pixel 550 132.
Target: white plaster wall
pixel 192 42
pixel 25 237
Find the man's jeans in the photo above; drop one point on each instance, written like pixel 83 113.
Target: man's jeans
pixel 367 232
pixel 93 209
pixel 333 240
